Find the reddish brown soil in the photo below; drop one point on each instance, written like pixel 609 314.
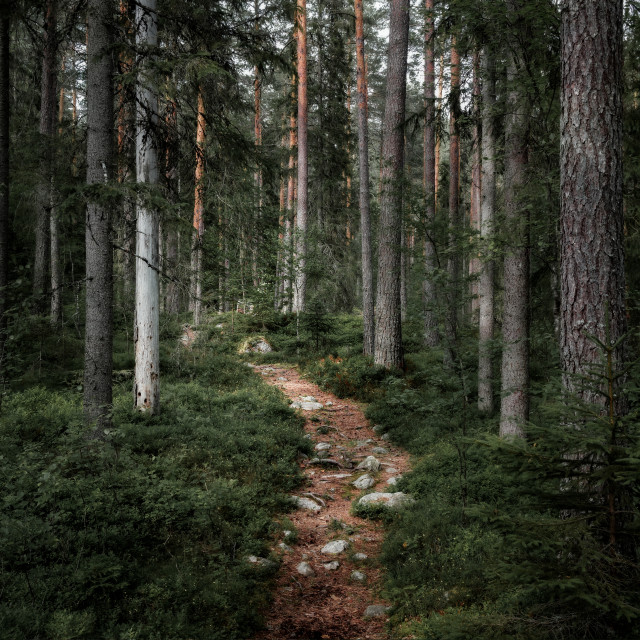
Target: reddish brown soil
pixel 330 605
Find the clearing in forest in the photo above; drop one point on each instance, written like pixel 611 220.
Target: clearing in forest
pixel 322 595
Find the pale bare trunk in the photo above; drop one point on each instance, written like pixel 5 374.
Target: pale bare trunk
pixel 146 335
pixel 476 184
pixel 486 282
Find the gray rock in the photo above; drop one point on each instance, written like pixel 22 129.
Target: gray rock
pixel 335 546
pixel 281 379
pixel 364 482
pixel 392 481
pixel 376 611
pixel 358 576
pixel 284 547
pixel 391 500
pixel 360 556
pixel 306 406
pixel 322 446
pixel 305 569
pixel 329 404
pixel 306 503
pixel 331 566
pixel 262 562
pixel 391 470
pixel 339 476
pixel 287 533
pixel 219 326
pixel 370 463
pixel 385 436
pixel 378 428
pixel 260 346
pixel 380 451
pixel 308 399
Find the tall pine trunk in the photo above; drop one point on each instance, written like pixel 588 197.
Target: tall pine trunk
pixel 476 182
pixel 300 289
pixel 514 408
pixel 592 227
pixel 146 333
pixel 487 207
pixel 365 212
pixel 47 133
pixel 98 349
pixel 4 172
pixel 388 342
pixel 195 303
pixel 429 300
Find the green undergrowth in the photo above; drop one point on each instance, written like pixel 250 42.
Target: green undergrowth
pixel 145 536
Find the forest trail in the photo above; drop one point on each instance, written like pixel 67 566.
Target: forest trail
pixel 330 604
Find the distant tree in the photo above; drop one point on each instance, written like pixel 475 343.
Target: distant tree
pixel 365 212
pixel 98 356
pixel 147 321
pixel 5 21
pixel 388 343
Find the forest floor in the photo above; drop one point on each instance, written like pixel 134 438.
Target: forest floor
pixel 330 603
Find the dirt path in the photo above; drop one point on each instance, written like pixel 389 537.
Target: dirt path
pixel 331 603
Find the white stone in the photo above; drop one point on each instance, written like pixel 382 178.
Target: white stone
pixel 306 503
pixel 308 399
pixel 284 547
pixel 287 533
pixel 262 562
pixel 392 481
pixel 380 451
pixel 360 556
pixel 322 446
pixel 304 569
pixel 331 566
pixel 370 463
pixel 358 576
pixel 391 470
pixel 306 406
pixel 391 500
pixel 364 482
pixel 329 404
pixel 335 546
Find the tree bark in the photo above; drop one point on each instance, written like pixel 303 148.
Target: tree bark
pixel 47 133
pixel 388 342
pixel 454 262
pixel 98 359
pixel 514 408
pixel 365 210
pixel 300 292
pixel 289 216
pixel 592 227
pixel 146 334
pixel 4 173
pixel 198 215
pixel 429 299
pixel 488 193
pixel 476 183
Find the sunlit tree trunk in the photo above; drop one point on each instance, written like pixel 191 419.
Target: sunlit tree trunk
pixel 592 276
pixel 514 408
pixel 300 289
pixel 146 334
pixel 486 282
pixel 431 337
pixel 99 251
pixel 365 212
pixel 47 133
pixel 198 216
pixel 388 342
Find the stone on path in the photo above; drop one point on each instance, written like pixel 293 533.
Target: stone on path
pixel 358 576
pixel 322 446
pixel 391 470
pixel 376 610
pixel 360 556
pixel 284 547
pixel 335 546
pixel 392 481
pixel 391 500
pixel 306 405
pixel 379 451
pixel 304 569
pixel 331 566
pixel 306 503
pixel 370 463
pixel 364 482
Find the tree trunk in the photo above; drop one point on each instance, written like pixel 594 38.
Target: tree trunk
pixel 198 216
pixel 98 359
pixel 146 334
pixel 514 408
pixel 4 173
pixel 388 342
pixel 592 228
pixel 300 292
pixel 47 133
pixel 429 301
pixel 365 212
pixel 476 183
pixel 172 256
pixel 454 262
pixel 288 235
pixel 485 284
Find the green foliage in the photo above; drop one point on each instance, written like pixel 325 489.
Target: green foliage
pixel 146 535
